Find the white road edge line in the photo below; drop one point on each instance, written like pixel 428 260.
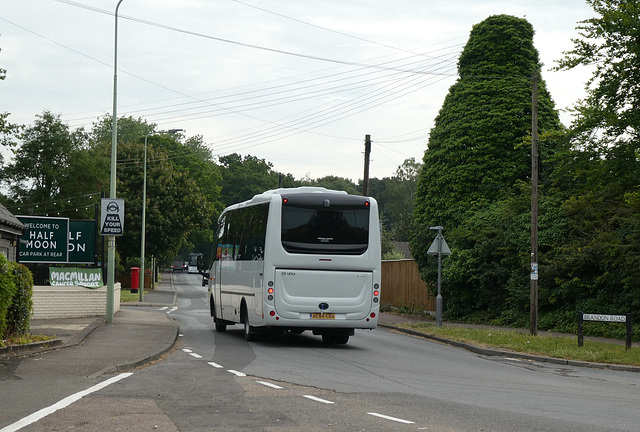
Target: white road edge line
pixel 268 384
pixel 395 419
pixel 26 421
pixel 164 308
pixel 317 399
pixel 196 355
pixel 237 373
pixel 215 365
pixel 187 350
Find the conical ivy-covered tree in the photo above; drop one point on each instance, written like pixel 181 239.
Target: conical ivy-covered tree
pixel 479 148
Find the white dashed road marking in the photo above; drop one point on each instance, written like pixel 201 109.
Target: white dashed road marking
pixel 276 387
pixel 268 384
pixel 395 419
pixel 317 399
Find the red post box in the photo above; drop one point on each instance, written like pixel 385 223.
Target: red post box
pixel 135 279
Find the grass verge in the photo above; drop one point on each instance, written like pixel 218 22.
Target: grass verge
pixel 24 339
pixel 542 345
pixel 127 296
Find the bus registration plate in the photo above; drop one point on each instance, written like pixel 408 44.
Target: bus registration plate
pixel 323 315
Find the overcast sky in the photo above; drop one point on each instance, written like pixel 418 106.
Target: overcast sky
pixel 297 83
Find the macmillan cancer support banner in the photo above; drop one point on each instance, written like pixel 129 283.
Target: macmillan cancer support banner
pixel 74 276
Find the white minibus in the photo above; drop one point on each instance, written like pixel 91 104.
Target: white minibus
pixel 297 259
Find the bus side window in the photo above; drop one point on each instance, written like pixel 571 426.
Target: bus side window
pixel 243 217
pixel 219 243
pixel 259 232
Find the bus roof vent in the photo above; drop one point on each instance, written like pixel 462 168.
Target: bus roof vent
pixel 326 203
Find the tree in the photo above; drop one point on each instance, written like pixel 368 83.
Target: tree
pixel 596 265
pixel 398 200
pixel 478 154
pixel 48 164
pixel 191 157
pixel 335 183
pixel 183 186
pixel 242 178
pixel 175 205
pixel 610 44
pixel 8 131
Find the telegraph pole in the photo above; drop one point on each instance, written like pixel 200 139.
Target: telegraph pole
pixel 533 301
pixel 367 153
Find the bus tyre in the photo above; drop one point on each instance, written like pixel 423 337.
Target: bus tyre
pixel 341 339
pixel 220 325
pixel 329 338
pixel 249 335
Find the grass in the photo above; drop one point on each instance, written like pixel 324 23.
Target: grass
pixel 542 345
pixel 127 296
pixel 24 339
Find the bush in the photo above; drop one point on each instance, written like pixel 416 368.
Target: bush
pixel 18 318
pixel 7 292
pixel 16 285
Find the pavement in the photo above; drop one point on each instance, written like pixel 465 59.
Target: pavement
pixel 139 335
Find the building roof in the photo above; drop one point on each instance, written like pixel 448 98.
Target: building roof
pixel 8 220
pixel 403 247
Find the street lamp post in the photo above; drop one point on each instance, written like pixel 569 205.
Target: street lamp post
pixel 144 213
pixel 112 187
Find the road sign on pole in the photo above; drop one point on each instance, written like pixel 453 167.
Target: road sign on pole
pixel 439 247
pixel 112 217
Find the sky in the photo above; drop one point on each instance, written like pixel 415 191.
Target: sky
pixel 296 83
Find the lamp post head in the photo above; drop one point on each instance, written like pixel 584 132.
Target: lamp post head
pixel 436 228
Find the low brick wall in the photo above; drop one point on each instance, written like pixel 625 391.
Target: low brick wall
pixel 72 302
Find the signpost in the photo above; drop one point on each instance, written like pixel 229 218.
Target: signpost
pixel 582 317
pixel 112 217
pixel 439 247
pixel 45 240
pixel 82 241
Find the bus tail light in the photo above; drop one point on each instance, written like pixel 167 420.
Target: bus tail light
pixel 372 315
pixel 272 313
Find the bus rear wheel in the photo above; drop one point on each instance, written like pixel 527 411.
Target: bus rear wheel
pixel 220 325
pixel 249 334
pixel 335 338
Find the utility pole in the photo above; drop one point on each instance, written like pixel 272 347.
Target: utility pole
pixel 367 153
pixel 533 300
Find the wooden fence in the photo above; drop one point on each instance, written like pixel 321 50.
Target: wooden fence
pixel 403 287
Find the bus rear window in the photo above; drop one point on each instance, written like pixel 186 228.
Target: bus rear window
pixel 325 226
